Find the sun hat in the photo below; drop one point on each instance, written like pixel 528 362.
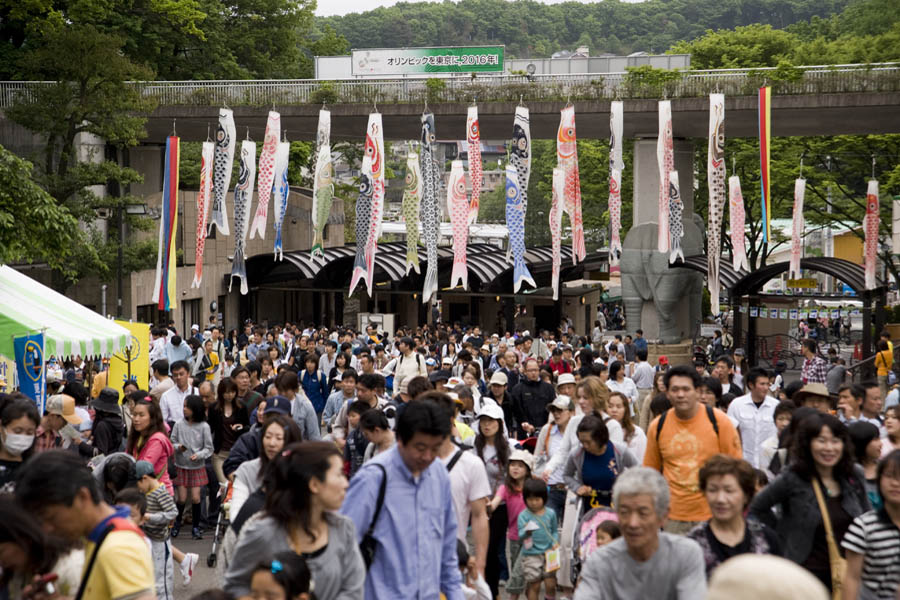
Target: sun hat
pixel 64 406
pixel 523 456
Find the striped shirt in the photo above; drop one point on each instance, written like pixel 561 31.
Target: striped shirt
pixel 877 539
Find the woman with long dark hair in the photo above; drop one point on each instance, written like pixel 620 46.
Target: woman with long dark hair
pixel 305 486
pixel 148 440
pixel 228 420
pixel 278 431
pixel 820 493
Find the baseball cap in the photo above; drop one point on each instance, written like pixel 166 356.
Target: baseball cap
pixel 663 360
pixel 562 402
pixel 486 347
pixel 439 375
pixel 523 456
pixel 738 579
pixel 491 410
pixel 565 378
pixel 64 406
pixel 143 467
pixel 277 404
pixel 430 362
pixel 499 378
pixel 447 360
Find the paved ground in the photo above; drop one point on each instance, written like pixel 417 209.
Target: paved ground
pixel 204 577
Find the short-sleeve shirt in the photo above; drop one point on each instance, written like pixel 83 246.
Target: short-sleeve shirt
pixel 544 537
pixel 515 504
pixel 468 482
pixel 123 568
pixel 684 446
pixel 877 539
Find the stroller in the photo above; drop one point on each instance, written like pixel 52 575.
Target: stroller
pixel 222 523
pixel 585 537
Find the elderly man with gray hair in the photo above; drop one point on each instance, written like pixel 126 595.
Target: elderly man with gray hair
pixel 645 562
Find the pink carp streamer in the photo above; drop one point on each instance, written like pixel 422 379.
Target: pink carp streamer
pixel 266 174
pixel 616 165
pixel 556 211
pixel 715 175
pixel 567 160
pixel 476 175
pixel 665 158
pixel 797 226
pixel 458 207
pixel 204 197
pixel 736 224
pixel 373 171
pixel 871 231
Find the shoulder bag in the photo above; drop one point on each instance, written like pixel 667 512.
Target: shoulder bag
pixel 837 563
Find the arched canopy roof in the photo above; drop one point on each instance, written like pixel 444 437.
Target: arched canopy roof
pixel 699 262
pixel 848 272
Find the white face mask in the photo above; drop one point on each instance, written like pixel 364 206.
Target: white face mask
pixel 17 443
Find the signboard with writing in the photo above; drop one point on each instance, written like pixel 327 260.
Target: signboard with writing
pixel 30 367
pixel 411 61
pixel 803 283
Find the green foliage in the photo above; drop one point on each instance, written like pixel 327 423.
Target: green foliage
pixel 649 82
pixel 435 88
pixel 751 46
pixel 324 94
pixel 33 227
pixel 534 29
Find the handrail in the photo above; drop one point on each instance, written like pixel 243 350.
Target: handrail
pixel 814 79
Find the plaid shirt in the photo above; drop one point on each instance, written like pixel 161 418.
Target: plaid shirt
pixel 814 370
pixel 46 439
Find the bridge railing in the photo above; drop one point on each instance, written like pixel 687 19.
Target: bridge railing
pixel 875 77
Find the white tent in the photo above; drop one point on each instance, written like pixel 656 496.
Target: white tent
pixel 27 306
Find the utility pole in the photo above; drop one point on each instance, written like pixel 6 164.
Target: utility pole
pixel 829 236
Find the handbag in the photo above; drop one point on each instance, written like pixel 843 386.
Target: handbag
pixel 838 564
pixel 369 543
pixel 551 555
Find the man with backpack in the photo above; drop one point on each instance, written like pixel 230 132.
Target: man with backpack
pixel 681 440
pixel 409 364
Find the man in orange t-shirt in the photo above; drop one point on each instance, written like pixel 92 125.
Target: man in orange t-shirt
pixel 681 440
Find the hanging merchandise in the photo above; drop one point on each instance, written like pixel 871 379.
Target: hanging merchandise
pixel 458 208
pixel 412 198
pixel 323 197
pixel 871 232
pixel 476 175
pixel 676 225
pixel 715 175
pixel 363 224
pixel 431 208
pixel 164 290
pixel 665 158
pixel 266 174
pixel 794 271
pixel 765 141
pixel 515 223
pixel 567 160
pixel 223 163
pixel 203 201
pixel 520 159
pixel 736 217
pixel 282 192
pixel 556 210
pixel 616 165
pixel 243 196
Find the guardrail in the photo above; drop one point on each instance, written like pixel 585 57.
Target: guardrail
pixel 820 79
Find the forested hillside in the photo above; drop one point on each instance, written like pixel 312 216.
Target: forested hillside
pixel 532 29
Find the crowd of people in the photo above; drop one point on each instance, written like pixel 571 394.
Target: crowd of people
pixel 445 461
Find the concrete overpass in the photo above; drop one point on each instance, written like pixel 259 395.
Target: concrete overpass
pixel 819 100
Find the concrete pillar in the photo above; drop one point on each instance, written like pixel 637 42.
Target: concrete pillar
pixel 646 178
pixel 664 302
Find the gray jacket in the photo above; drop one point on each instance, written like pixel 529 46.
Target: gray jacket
pixel 800 515
pixel 197 438
pixel 305 417
pixel 338 571
pixel 575 463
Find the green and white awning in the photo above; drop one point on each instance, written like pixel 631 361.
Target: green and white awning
pixel 27 306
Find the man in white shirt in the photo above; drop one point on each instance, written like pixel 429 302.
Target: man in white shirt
pixel 409 363
pixel 327 360
pixel 469 486
pixel 171 403
pixel 870 411
pixel 755 415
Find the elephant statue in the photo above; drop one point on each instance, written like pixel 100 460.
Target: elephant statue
pixel 646 277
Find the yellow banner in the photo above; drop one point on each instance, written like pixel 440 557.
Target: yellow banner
pixel 8 373
pixel 134 361
pixel 803 283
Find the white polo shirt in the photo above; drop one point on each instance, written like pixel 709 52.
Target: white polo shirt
pixel 756 424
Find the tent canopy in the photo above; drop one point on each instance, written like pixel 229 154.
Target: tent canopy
pixel 69 328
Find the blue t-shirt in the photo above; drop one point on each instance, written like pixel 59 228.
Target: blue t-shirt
pixel 599 473
pixel 544 537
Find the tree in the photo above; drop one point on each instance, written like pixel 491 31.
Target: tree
pixel 750 46
pixel 33 227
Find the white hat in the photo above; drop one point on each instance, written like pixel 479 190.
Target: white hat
pixel 447 360
pixel 562 402
pixel 195 326
pixel 499 378
pixel 523 456
pixel 565 378
pixel 738 579
pixel 491 410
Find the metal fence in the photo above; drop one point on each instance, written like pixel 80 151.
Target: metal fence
pixel 876 77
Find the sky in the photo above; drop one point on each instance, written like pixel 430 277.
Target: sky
pixel 327 8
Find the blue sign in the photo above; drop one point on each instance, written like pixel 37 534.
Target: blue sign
pixel 30 367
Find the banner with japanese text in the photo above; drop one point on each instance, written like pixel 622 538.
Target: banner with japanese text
pixel 30 367
pixel 410 61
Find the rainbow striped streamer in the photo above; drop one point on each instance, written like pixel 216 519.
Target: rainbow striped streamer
pixel 765 141
pixel 164 293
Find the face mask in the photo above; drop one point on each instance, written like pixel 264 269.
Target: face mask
pixel 17 443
